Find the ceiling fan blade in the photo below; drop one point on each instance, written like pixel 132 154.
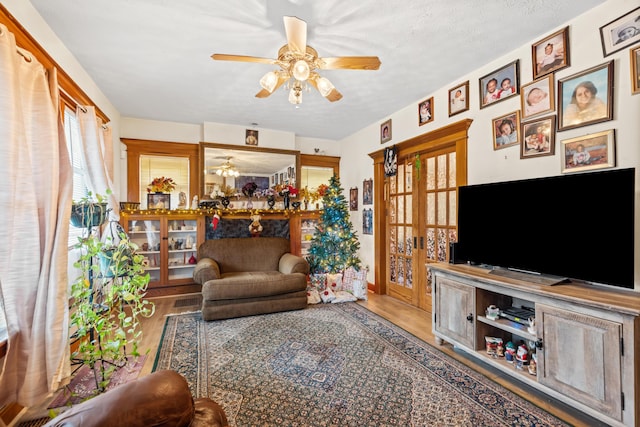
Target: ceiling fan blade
pixel 334 95
pixel 349 62
pixel 242 58
pixel 296 30
pixel 265 93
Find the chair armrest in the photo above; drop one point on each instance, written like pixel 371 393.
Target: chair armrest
pixel 290 263
pixel 206 269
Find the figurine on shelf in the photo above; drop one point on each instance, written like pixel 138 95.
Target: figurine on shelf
pixel 194 203
pixel 510 351
pixel 522 355
pixel 532 325
pixel 182 200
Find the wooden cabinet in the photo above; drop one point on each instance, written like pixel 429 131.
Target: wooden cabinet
pixel 585 337
pixel 169 242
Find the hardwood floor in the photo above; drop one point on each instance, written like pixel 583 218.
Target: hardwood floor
pixel 411 319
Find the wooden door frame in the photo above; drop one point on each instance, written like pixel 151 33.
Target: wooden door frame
pixel 453 135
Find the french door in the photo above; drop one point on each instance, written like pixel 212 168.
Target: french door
pixel 421 220
pixel 420 211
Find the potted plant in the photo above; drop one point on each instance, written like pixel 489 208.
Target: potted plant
pixel 107 303
pixel 89 211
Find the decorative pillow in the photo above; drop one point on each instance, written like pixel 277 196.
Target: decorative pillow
pixel 327 295
pixel 313 297
pixel 344 296
pixel 319 281
pixel 334 281
pixel 360 289
pixel 347 279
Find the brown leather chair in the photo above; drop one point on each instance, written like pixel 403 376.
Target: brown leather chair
pixel 162 398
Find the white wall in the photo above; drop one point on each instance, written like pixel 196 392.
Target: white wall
pixel 487 165
pixel 484 164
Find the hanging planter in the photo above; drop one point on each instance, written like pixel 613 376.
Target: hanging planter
pixel 88 214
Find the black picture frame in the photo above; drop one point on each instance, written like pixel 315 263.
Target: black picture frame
pixel 620 33
pixel 158 201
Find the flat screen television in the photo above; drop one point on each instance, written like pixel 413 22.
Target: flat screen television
pixel 578 226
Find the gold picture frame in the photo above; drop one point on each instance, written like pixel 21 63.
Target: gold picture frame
pixel 425 111
pixel 537 97
pixel 635 70
pixel 506 130
pixel 589 152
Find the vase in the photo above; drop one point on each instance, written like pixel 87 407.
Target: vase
pixel 296 205
pixel 249 204
pixel 225 202
pixel 285 200
pixel 271 201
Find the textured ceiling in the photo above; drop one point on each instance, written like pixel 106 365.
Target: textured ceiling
pixel 152 58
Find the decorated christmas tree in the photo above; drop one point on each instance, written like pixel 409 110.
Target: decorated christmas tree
pixel 335 245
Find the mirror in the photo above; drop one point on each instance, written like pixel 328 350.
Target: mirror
pixel 267 167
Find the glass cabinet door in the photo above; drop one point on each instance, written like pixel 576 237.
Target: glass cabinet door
pixel 182 248
pixel 146 234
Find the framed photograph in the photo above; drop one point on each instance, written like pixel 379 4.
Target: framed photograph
pixel 587 152
pixel 353 199
pixel 367 221
pixel 506 130
pixel 635 70
pixel 251 137
pixel 385 132
pixel 390 161
pixel 425 111
pixel 500 84
pixel 586 98
pixel 459 99
pixel 620 33
pixel 367 192
pixel 537 97
pixel 158 201
pixel 538 137
pixel 551 53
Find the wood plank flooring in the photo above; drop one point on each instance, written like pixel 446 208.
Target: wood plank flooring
pixel 410 318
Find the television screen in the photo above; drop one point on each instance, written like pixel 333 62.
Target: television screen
pixel 578 226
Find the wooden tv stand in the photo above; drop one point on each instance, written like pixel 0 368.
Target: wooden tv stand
pixel 586 337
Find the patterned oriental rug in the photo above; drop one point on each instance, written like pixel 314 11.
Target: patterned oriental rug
pixel 333 365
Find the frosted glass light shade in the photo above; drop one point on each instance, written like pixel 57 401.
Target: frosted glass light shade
pixel 301 70
pixel 269 81
pixel 295 96
pixel 325 86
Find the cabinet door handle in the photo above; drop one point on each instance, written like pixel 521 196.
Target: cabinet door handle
pixel 421 242
pixel 470 317
pixel 539 344
pixel 415 243
pixel 165 238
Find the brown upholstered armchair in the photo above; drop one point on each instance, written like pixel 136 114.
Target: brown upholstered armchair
pixel 162 398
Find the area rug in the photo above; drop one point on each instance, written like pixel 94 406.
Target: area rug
pixel 83 384
pixel 333 365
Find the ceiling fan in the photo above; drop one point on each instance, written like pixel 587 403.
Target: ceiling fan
pixel 298 63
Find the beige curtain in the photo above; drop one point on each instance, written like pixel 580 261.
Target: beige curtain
pixel 97 153
pixel 35 200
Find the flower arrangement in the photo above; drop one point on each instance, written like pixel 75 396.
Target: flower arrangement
pixel 289 189
pixel 249 188
pixel 161 185
pixel 322 189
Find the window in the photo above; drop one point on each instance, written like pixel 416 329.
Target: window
pixel 74 145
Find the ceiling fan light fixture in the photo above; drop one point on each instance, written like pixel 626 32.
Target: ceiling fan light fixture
pixel 269 81
pixel 301 70
pixel 295 95
pixel 325 86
